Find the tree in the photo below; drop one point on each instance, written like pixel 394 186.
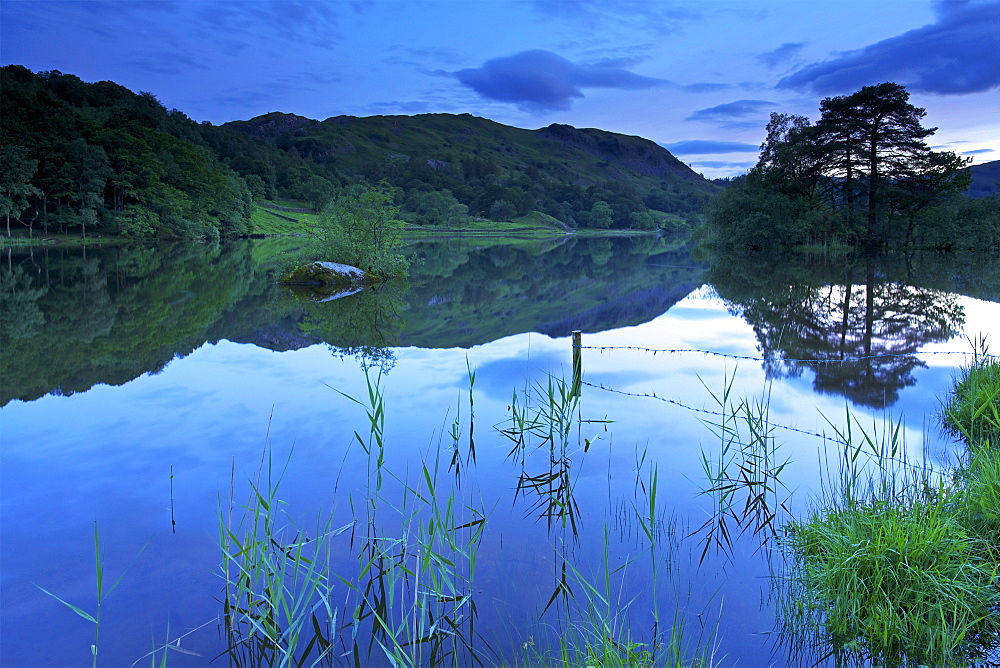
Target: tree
pixel 317 191
pixel 860 175
pixel 362 228
pixel 874 136
pixel 15 181
pixel 601 214
pixel 502 210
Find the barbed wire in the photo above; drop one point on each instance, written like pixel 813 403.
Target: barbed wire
pixel 671 351
pixel 706 411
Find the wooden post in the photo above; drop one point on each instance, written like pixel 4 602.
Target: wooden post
pixel 577 363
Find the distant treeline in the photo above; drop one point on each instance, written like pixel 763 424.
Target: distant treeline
pixel 96 158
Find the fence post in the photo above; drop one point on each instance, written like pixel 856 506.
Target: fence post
pixel 577 363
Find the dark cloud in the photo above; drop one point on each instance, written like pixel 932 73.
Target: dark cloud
pixel 707 146
pixel 943 8
pixel 781 55
pixel 731 110
pixel 977 151
pixel 543 81
pixel 958 54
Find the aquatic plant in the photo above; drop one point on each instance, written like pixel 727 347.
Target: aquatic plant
pixel 744 478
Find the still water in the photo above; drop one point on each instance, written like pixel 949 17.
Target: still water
pixel 141 385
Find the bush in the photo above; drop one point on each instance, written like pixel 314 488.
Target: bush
pixel 362 228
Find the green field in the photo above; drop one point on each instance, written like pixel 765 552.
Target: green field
pixel 293 218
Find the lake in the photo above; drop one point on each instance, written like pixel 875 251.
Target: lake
pixel 144 388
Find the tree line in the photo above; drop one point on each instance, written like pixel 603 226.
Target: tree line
pixel 100 159
pixel 862 175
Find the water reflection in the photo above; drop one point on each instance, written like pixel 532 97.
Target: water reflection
pixel 107 453
pixel 117 313
pixel 856 323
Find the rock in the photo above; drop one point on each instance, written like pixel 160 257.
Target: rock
pixel 329 274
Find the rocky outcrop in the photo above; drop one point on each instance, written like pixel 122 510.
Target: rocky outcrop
pixel 328 273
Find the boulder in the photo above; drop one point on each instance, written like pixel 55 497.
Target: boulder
pixel 329 273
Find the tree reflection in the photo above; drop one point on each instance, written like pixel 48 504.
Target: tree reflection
pixel 364 325
pixel 863 326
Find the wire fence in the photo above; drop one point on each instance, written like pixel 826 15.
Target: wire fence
pixel 842 360
pixel 578 347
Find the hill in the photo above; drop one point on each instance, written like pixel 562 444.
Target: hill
pixel 445 162
pixel 100 159
pixel 985 179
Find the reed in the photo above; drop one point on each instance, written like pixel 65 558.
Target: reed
pixel 278 606
pixel 102 591
pixel 744 477
pixel 540 426
pixel 412 598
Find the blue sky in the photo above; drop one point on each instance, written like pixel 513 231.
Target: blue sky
pixel 699 77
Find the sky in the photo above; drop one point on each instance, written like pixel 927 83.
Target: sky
pixel 698 77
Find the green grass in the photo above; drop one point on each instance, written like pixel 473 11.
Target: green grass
pixel 899 563
pixel 894 583
pixel 270 221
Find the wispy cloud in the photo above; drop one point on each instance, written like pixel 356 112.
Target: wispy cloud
pixel 172 62
pixel 709 146
pixel 958 54
pixel 541 81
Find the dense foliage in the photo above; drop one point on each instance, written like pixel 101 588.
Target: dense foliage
pixel 862 175
pixel 99 159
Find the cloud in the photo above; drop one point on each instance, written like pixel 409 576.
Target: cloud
pixel 731 110
pixel 958 54
pixel 782 54
pixel 301 21
pixel 707 146
pixel 977 151
pixel 544 81
pixel 704 87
